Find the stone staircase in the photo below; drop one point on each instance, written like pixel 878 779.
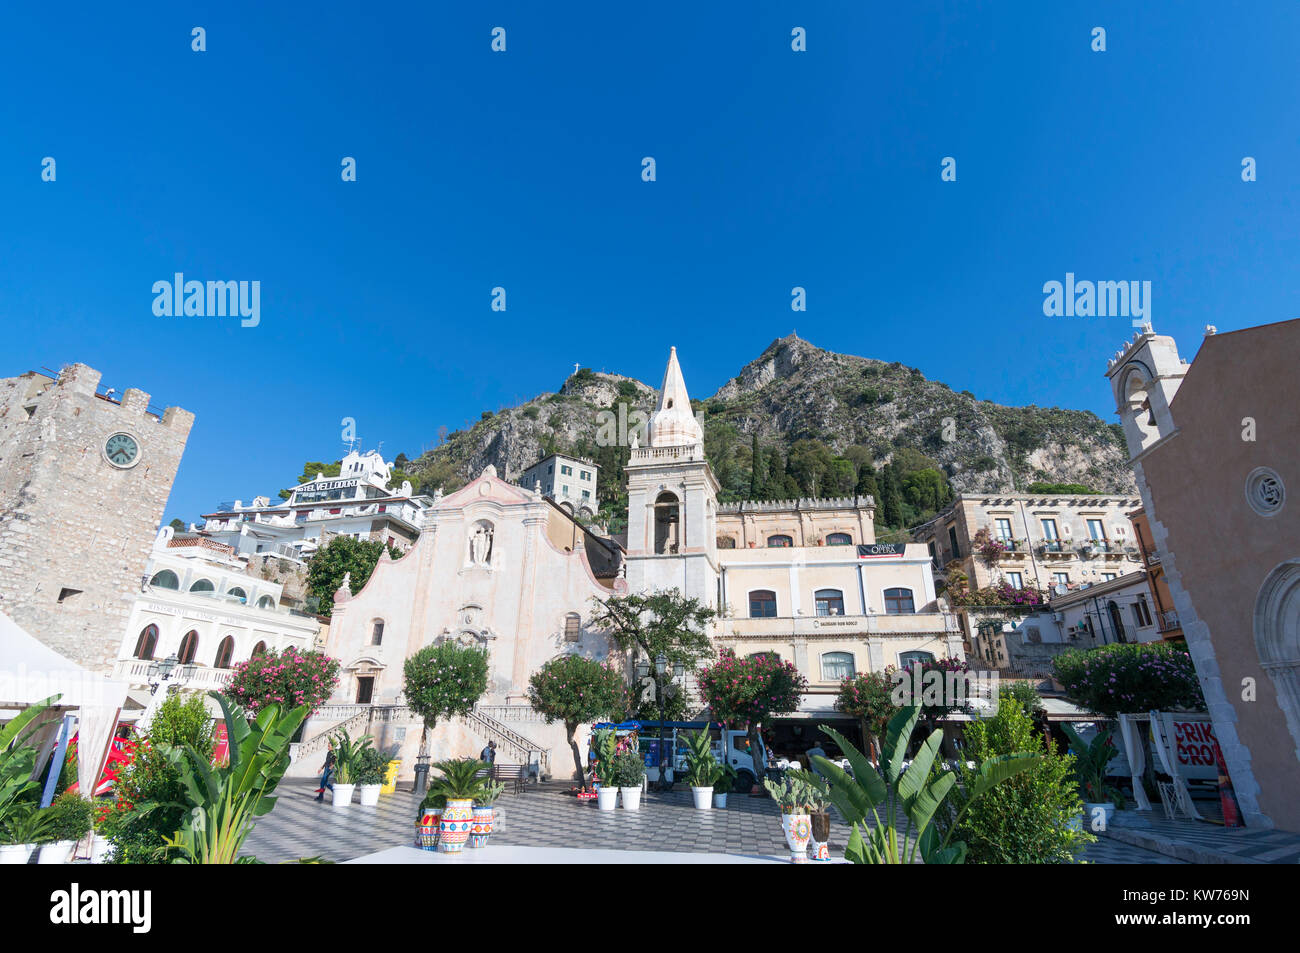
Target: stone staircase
pixel 514 747
pixel 352 718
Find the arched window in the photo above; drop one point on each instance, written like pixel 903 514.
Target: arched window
pixel 667 524
pixel 837 666
pixel 779 541
pixel 224 651
pixel 203 585
pixel 762 604
pixel 165 580
pixel 266 602
pixel 377 632
pixel 726 542
pixel 238 593
pixel 907 658
pixel 775 656
pixel 829 601
pixel 189 647
pixel 839 539
pixel 258 649
pixel 148 641
pixel 899 602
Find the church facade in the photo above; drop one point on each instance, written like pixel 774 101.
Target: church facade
pixel 507 569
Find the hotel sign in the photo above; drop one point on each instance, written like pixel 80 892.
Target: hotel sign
pixel 881 550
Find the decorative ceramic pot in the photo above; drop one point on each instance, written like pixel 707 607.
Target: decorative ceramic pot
pixel 453 829
pixel 426 830
pixel 821 836
pixel 369 795
pixel 702 798
pixel 606 798
pixel 343 794
pixel 16 853
pixel 631 798
pixel 798 832
pixel 719 800
pixel 56 852
pixel 481 829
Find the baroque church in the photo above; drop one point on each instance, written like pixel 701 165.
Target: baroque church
pixel 507 569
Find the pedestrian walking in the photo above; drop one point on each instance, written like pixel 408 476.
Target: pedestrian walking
pixel 327 773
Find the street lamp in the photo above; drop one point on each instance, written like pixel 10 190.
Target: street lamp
pixel 665 761
pixel 159 672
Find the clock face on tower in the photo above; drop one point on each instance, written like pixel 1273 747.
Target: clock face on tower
pixel 122 450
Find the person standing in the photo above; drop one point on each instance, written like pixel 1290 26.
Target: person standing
pixel 489 753
pixel 328 771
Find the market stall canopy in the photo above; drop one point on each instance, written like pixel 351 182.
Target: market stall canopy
pixel 31 671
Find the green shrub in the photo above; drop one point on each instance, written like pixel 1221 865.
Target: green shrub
pixel 1128 677
pixel 70 817
pixel 1026 819
pixel 531 413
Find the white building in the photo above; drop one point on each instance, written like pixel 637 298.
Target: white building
pixel 569 481
pixel 1094 614
pixel 358 502
pixel 196 602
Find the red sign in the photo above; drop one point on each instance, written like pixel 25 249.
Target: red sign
pixel 1195 743
pixel 220 744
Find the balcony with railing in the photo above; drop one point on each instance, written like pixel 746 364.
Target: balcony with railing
pixel 1167 621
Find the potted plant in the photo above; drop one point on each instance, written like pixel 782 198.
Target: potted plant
pixel 68 819
pixel 629 770
pixel 1100 797
pixel 794 797
pixel 819 816
pixel 24 828
pixel 722 787
pixel 369 775
pixel 605 748
pixel 347 753
pixel 484 813
pixel 462 780
pixel 428 819
pixel 702 768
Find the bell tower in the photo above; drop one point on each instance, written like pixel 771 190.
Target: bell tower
pixel 672 501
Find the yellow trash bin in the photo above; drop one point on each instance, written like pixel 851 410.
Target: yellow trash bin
pixel 390 777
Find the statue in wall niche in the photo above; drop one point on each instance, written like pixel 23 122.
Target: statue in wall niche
pixel 633 439
pixel 480 546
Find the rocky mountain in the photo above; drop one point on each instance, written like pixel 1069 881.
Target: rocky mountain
pixel 792 401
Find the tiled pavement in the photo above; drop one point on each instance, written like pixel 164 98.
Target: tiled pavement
pixel 548 817
pixel 1202 842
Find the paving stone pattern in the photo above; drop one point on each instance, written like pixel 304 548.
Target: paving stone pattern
pixel 546 816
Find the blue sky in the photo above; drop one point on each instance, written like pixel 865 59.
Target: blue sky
pixel 477 169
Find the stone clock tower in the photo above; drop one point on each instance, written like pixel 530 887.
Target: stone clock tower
pixel 672 501
pixel 84 478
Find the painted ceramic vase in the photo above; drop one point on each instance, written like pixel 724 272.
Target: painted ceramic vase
pixel 798 832
pixel 453 829
pixel 481 828
pixel 426 830
pixel 821 837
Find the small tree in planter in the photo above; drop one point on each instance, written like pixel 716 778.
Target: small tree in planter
pixel 443 681
pixel 629 772
pixel 869 697
pixel 575 690
pixel 702 768
pixel 368 773
pixel 69 819
pixel 605 747
pixel 749 692
pixel 289 678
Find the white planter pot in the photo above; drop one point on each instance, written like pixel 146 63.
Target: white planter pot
pixel 16 853
pixel 631 799
pixel 100 849
pixel 57 852
pixel 607 798
pixel 369 795
pixel 703 798
pixel 343 794
pixel 1090 816
pixel 719 800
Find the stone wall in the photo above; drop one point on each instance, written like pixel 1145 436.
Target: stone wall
pixel 76 531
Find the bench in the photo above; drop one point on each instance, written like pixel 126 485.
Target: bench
pixel 514 775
